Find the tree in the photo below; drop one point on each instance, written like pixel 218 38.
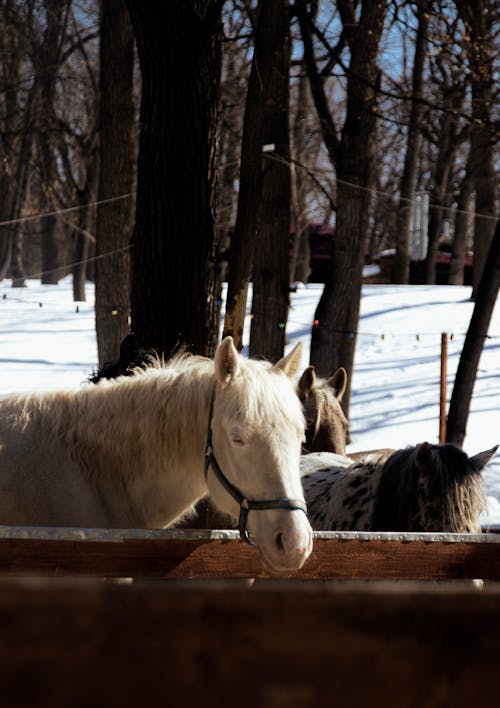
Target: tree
pixel 174 239
pixel 333 339
pixel 248 215
pixel 47 60
pixel 478 17
pixel 463 387
pixel 15 133
pixel 401 270
pixel 463 226
pixel 117 154
pixel 271 268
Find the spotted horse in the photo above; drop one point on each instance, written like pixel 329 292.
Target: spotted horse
pixel 426 488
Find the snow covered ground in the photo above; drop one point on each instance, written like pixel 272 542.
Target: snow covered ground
pixel 47 341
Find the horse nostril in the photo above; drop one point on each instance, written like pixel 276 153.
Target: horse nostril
pixel 279 542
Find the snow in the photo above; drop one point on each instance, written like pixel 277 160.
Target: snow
pixel 47 341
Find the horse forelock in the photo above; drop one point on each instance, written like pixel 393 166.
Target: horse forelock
pixel 260 394
pixel 455 489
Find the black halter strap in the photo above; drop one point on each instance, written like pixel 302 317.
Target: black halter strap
pixel 246 505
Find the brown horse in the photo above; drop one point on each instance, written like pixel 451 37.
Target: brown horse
pixel 326 424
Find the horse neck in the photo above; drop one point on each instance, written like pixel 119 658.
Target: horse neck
pixel 149 438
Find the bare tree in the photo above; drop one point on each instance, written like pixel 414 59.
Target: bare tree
pixel 174 254
pixel 15 134
pixel 117 155
pixel 479 19
pixel 333 340
pixel 47 59
pixel 401 270
pixel 463 226
pixel 250 192
pixel 463 387
pixel 271 270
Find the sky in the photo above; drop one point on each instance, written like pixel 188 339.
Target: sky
pixel 48 342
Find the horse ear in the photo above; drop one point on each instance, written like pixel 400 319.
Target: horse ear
pixel 338 382
pixel 226 361
pixel 306 383
pixel 291 362
pixel 423 456
pixel 477 462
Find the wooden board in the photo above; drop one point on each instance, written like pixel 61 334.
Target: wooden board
pixel 83 642
pixel 188 554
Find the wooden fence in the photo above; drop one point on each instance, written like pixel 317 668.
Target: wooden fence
pixel 221 554
pixel 188 634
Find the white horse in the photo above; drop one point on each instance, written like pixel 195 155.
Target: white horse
pixel 131 453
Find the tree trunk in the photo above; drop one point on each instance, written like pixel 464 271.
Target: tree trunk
pixel 11 48
pixel 247 225
pixel 83 235
pixel 271 271
pixel 116 177
pixel 174 256
pixel 463 223
pixel 453 101
pixel 301 252
pixel 479 17
pixel 333 338
pixel 473 346
pixel 401 268
pixel 49 57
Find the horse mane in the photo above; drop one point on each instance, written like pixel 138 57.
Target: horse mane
pixel 142 411
pixel 443 481
pixel 396 497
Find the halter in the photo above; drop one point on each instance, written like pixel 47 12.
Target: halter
pixel 246 505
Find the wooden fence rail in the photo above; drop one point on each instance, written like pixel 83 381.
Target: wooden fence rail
pixel 85 641
pixel 220 554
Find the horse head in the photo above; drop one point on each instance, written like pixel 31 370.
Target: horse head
pixel 451 486
pixel 256 435
pixel 326 424
pixel 431 488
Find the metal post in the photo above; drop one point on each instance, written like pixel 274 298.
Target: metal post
pixel 442 388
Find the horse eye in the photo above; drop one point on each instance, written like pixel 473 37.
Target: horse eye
pixel 237 437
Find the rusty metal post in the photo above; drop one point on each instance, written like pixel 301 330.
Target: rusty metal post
pixel 442 388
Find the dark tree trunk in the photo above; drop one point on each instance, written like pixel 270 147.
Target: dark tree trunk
pixel 300 267
pixel 83 234
pixel 474 342
pixel 479 17
pixel 116 177
pixel 463 223
pixel 11 48
pixel 271 271
pixel 401 268
pixel 49 57
pixel 333 339
pixel 453 101
pixel 174 270
pixel 248 215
